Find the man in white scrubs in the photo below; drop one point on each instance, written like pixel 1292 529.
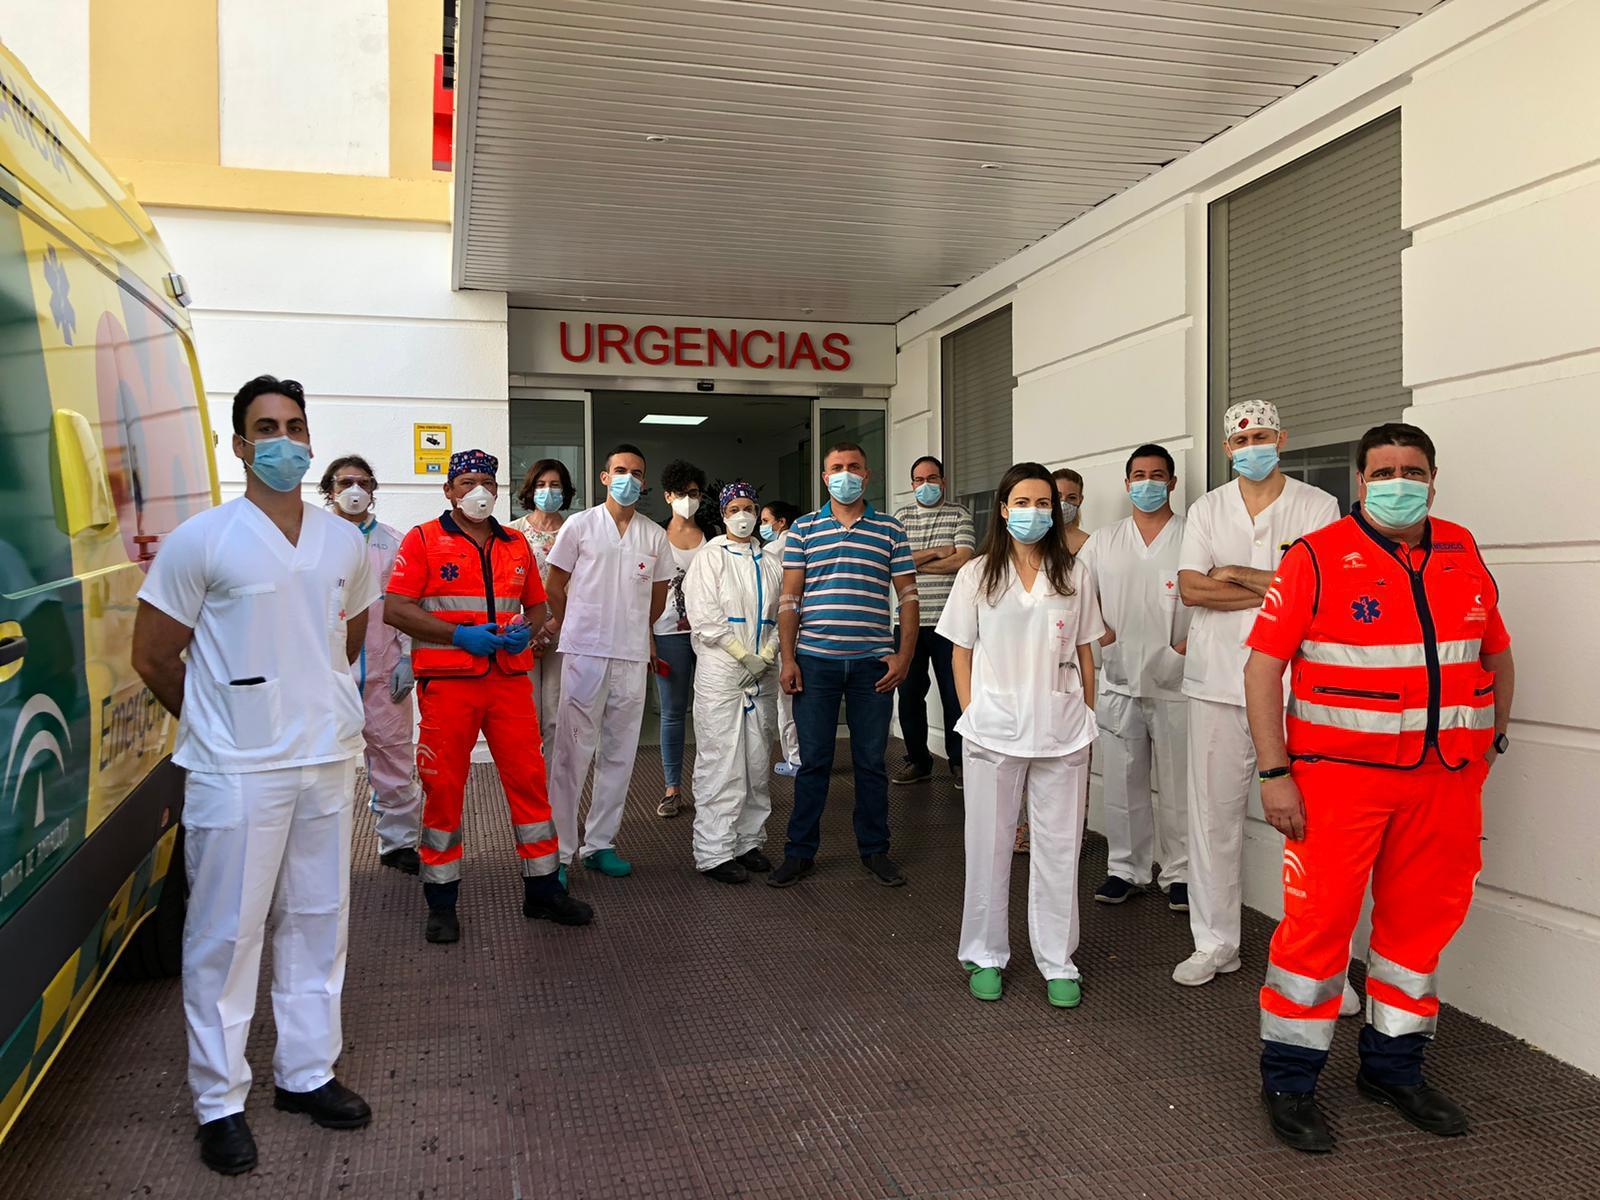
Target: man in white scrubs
pixel 1141 707
pixel 609 570
pixel 247 626
pixel 1233 540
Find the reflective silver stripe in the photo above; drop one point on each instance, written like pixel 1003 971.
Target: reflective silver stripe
pixel 1302 989
pixel 441 839
pixel 545 864
pixel 1453 654
pixel 1397 1022
pixel 1361 720
pixel 1297 1031
pixel 1344 654
pixel 441 872
pixel 1466 716
pixel 1413 983
pixel 502 604
pixel 538 831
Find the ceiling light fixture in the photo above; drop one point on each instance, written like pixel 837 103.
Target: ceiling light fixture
pixel 670 419
pixel 655 139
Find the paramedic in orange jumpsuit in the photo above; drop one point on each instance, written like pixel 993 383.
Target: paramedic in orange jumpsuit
pixel 1400 691
pixel 461 587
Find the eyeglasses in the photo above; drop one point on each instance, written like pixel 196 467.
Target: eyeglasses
pixel 349 481
pixel 293 389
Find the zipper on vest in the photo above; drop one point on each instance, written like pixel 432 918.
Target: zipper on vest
pixel 1357 692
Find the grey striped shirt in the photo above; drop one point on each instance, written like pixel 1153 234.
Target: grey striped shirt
pixel 947 524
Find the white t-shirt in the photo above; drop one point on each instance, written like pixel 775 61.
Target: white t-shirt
pixel 266 611
pixel 1138 589
pixel 1219 532
pixel 667 623
pixel 608 596
pixel 1027 696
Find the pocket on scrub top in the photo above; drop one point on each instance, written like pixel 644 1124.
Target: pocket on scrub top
pixel 212 801
pixel 644 568
pixel 1111 664
pixel 350 715
pixel 254 711
pixel 1166 670
pixel 995 714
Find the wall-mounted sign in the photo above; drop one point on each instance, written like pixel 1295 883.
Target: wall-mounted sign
pixel 547 342
pixel 432 448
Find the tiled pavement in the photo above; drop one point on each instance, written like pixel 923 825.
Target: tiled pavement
pixel 704 1040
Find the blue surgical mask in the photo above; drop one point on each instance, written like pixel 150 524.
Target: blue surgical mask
pixel 547 499
pixel 929 494
pixel 1396 503
pixel 280 462
pixel 768 533
pixel 625 490
pixel 845 487
pixel 1256 462
pixel 1028 525
pixel 1148 495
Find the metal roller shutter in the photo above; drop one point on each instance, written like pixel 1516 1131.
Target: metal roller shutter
pixel 1305 293
pixel 977 384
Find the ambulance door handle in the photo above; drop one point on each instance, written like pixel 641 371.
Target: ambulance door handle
pixel 12 650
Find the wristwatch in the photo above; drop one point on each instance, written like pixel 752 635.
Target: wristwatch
pixel 1501 743
pixel 1272 773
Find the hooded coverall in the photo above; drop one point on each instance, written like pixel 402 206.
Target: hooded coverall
pixel 731 595
pixel 396 799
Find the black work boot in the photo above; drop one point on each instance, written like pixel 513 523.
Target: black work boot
pixel 544 899
pixel 755 861
pixel 1429 1109
pixel 442 927
pixel 790 872
pixel 333 1106
pixel 732 871
pixel 404 859
pixel 226 1145
pixel 1297 1121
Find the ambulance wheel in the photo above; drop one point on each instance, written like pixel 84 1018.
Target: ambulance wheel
pixel 156 951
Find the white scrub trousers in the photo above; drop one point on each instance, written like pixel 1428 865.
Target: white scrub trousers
pixel 1143 828
pixel 261 840
pixel 1222 764
pixel 731 773
pixel 546 676
pixel 602 709
pixel 1056 789
pixel 788 732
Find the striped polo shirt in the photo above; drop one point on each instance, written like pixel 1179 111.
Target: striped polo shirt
pixel 947 524
pixel 845 608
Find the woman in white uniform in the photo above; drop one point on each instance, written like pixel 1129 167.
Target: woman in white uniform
pixel 731 593
pixel 546 493
pixel 776 518
pixel 1022 616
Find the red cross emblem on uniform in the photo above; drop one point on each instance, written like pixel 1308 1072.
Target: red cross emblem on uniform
pixel 1169 585
pixel 641 566
pixel 1061 624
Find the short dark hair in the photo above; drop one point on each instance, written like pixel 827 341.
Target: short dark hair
pixel 264 385
pixel 624 448
pixel 1149 450
pixel 339 464
pixel 525 494
pixel 841 448
pixel 926 458
pixel 783 510
pixel 680 473
pixel 1068 474
pixel 1393 433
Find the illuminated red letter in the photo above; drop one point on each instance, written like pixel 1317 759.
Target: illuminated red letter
pixel 682 347
pixel 804 349
pixel 588 343
pixel 657 354
pixel 744 349
pixel 615 337
pixel 728 349
pixel 837 357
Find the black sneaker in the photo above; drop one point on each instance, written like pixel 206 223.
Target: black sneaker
pixel 226 1145
pixel 756 862
pixel 1114 890
pixel 913 773
pixel 443 928
pixel 333 1106
pixel 731 871
pixel 554 904
pixel 790 872
pixel 959 781
pixel 405 859
pixel 1178 897
pixel 884 871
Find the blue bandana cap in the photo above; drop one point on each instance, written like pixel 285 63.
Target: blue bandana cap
pixel 737 491
pixel 477 462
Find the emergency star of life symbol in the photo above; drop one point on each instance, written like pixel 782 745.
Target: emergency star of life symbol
pixel 61 310
pixel 1365 610
pixel 450 571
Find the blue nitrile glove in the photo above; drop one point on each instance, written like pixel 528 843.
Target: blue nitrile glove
pixel 479 640
pixel 401 680
pixel 517 638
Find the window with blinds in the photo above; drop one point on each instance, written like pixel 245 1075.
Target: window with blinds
pixel 1305 294
pixel 977 384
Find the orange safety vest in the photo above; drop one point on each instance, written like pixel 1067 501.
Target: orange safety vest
pixel 469 584
pixel 1389 670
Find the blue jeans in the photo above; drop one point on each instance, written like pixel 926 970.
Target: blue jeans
pixel 825 682
pixel 674 691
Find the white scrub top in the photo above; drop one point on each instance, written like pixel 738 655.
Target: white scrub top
pixel 264 611
pixel 1138 589
pixel 1219 532
pixel 1027 696
pixel 608 596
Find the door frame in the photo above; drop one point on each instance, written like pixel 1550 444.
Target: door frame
pixel 818 404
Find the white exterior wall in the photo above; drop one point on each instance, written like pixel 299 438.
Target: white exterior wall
pixel 362 314
pixel 1501 126
pixel 52 40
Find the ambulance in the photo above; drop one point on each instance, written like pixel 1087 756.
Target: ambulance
pixel 105 447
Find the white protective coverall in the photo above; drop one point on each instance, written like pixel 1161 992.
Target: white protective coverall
pixel 731 596
pixel 396 800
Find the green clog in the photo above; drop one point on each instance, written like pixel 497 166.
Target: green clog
pixel 609 862
pixel 983 982
pixel 1064 993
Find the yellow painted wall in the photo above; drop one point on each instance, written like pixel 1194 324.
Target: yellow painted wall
pixel 154 111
